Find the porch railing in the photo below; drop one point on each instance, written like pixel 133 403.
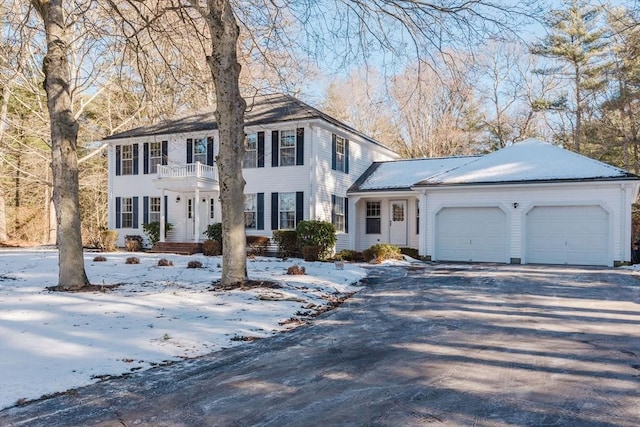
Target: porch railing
pixel 197 170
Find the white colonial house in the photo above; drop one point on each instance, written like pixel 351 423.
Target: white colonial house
pixel 298 166
pixel 531 202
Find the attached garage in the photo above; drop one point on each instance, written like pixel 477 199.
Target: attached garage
pixel 477 234
pixel 567 235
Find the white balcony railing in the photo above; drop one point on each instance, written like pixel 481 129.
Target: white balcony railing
pixel 192 170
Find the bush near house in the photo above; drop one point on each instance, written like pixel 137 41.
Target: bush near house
pixel 152 230
pixel 346 255
pixel 133 242
pixel 412 252
pixel 287 241
pixel 257 245
pixel 380 252
pixel 318 235
pixel 211 248
pixel 109 239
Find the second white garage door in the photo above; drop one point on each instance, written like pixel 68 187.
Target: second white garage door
pixel 567 235
pixel 476 234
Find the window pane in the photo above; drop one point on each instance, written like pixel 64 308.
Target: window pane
pixel 287 211
pixel 250 210
pixel 398 212
pixel 287 148
pixel 127 159
pixel 251 154
pixel 155 156
pixel 340 153
pixel 200 150
pixel 373 218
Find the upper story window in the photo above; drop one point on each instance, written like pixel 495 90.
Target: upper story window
pixel 339 153
pixel 126 156
pixel 155 156
pixel 200 150
pixel 251 151
pixel 373 218
pixel 250 211
pixel 287 147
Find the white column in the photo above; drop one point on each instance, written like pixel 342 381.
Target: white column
pixel 422 243
pixel 196 213
pixel 162 218
pixel 354 228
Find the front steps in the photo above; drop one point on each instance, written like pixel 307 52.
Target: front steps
pixel 179 248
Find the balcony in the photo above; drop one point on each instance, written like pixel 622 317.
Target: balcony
pixel 187 177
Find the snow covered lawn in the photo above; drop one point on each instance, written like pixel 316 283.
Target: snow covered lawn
pixel 52 341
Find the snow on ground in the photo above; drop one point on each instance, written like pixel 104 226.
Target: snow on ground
pixel 54 341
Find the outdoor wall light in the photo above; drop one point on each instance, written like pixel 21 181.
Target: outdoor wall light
pixel 515 205
pixel 178 199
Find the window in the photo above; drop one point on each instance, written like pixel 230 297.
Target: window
pixel 155 156
pixel 200 150
pixel 287 148
pixel 154 209
pixel 126 220
pixel 417 216
pixel 250 211
pixel 340 154
pixel 127 159
pixel 190 208
pixel 287 206
pixel 251 154
pixel 212 208
pixel 339 213
pixel 373 218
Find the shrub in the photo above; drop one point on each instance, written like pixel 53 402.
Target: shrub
pixel 163 262
pixel 380 252
pixel 257 245
pixel 133 260
pixel 214 232
pixel 296 270
pixel 346 255
pixel 287 241
pixel 99 258
pixel 317 233
pixel 194 264
pixel 109 238
pixel 312 253
pixel 133 242
pixel 211 248
pixel 152 230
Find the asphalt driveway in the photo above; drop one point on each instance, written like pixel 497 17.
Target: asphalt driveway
pixel 427 344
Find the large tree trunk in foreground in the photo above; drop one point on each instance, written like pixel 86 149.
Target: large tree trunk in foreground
pixel 225 70
pixel 64 137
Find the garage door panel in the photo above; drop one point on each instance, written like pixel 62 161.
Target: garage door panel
pixel 471 234
pixel 567 235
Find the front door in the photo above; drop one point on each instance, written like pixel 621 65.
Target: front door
pixel 398 222
pixel 204 214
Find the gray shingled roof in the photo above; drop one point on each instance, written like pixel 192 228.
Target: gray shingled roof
pixel 265 109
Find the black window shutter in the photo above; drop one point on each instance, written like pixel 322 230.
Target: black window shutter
pixel 346 156
pixel 118 211
pixel 333 151
pixel 210 151
pixel 145 210
pixel 333 209
pixel 165 152
pixel 189 150
pixel 260 225
pixel 299 207
pixel 346 214
pixel 300 146
pixel 274 211
pixel 166 218
pixel 275 148
pixel 118 161
pixel 135 159
pixel 261 150
pixel 135 212
pixel 145 158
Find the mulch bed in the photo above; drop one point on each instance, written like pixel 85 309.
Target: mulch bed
pixel 247 284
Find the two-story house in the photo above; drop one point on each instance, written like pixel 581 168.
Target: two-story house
pixel 531 202
pixel 299 164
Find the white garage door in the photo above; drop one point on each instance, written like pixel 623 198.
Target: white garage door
pixel 471 234
pixel 567 235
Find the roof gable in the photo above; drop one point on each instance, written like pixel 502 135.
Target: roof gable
pixel 528 161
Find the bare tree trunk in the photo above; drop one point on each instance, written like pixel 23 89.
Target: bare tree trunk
pixel 4 112
pixel 225 71
pixel 64 137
